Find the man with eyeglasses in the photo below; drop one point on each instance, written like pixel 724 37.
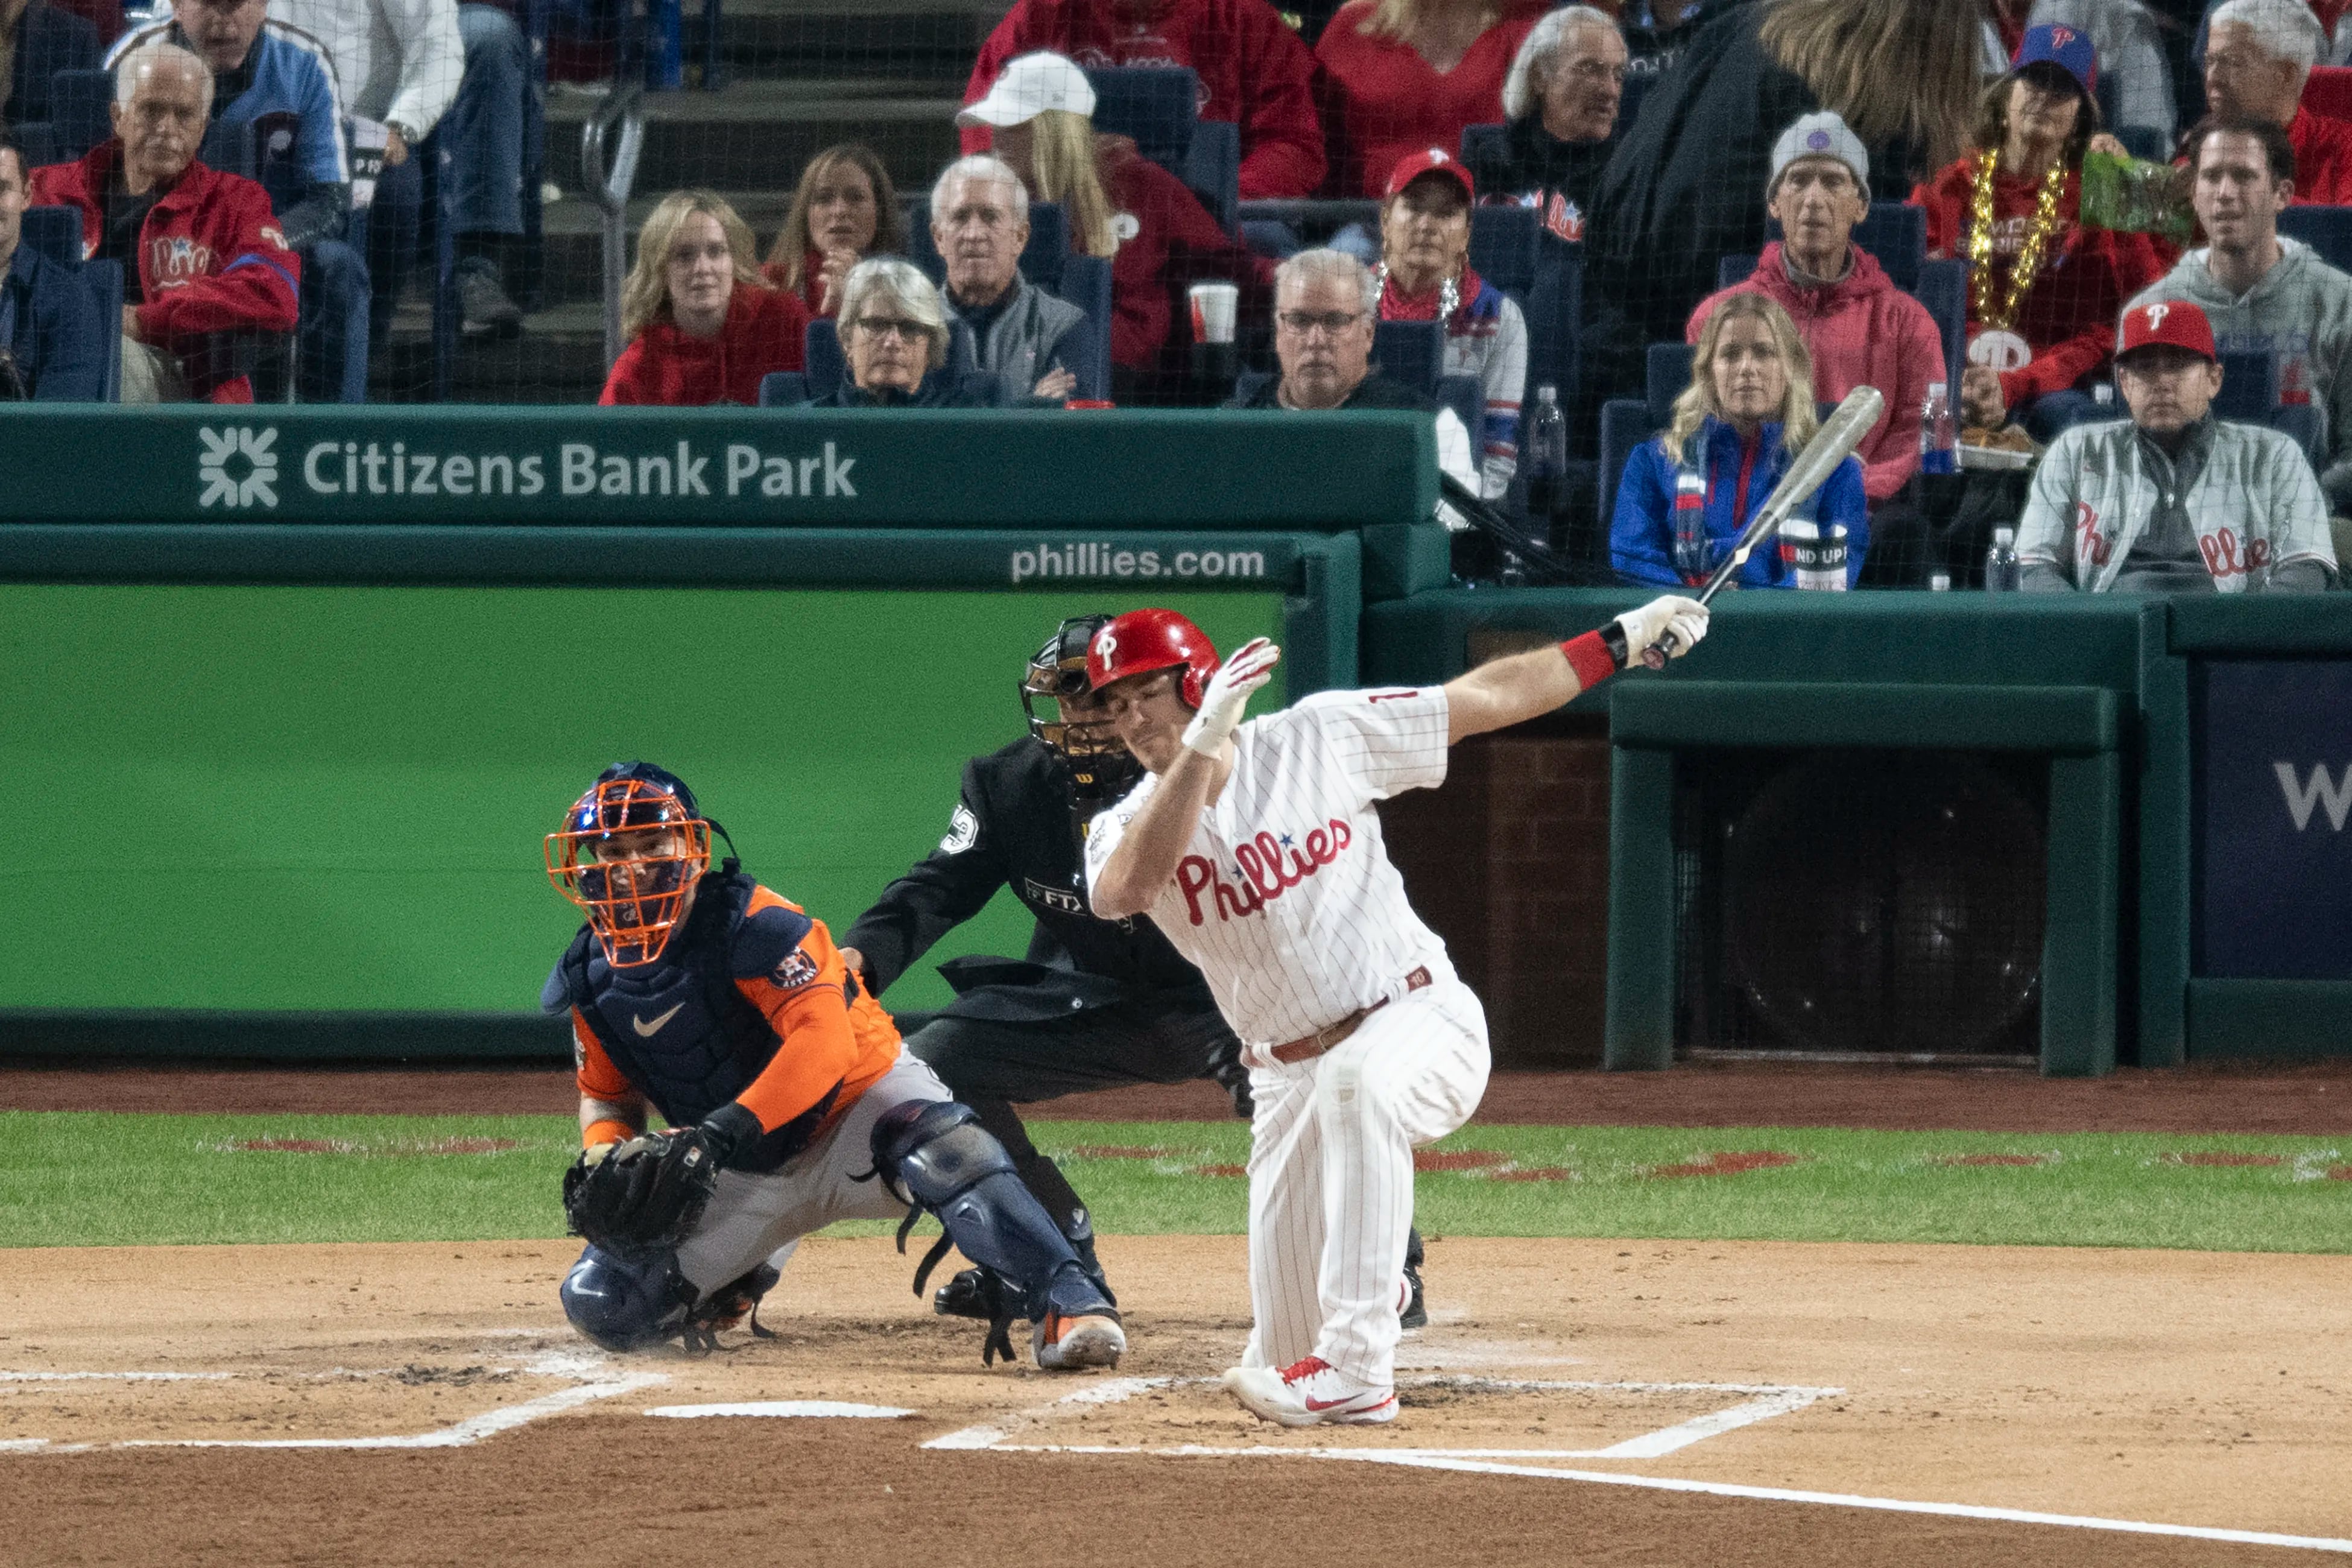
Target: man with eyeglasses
pixel 1324 304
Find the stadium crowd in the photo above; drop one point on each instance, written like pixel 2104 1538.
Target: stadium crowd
pixel 2091 252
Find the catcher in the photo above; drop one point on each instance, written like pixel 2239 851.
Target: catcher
pixel 718 1004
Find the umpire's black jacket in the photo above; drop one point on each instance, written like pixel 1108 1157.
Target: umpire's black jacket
pixel 1013 827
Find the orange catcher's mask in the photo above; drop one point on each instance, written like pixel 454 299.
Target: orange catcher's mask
pixel 629 853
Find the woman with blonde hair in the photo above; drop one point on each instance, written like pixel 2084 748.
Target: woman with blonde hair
pixel 1679 193
pixel 1747 411
pixel 843 210
pixel 1405 75
pixel 1158 238
pixel 701 327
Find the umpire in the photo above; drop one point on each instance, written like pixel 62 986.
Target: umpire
pixel 1097 1004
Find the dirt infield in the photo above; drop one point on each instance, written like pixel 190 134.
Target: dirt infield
pixel 2314 1099
pixel 2182 1389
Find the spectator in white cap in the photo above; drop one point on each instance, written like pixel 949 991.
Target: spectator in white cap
pixel 1559 110
pixel 2258 56
pixel 2173 500
pixel 1121 205
pixel 1860 329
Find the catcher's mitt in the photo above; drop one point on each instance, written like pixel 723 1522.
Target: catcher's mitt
pixel 643 1197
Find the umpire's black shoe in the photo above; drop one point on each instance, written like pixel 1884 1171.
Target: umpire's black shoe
pixel 974 1293
pixel 1416 1315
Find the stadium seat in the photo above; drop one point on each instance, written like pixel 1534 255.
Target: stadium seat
pixel 1554 306
pixel 1480 140
pixel 1411 351
pixel 783 389
pixel 78 119
pixel 1669 374
pixel 2327 230
pixel 1212 171
pixel 1503 247
pixel 1896 234
pixel 1086 283
pixel 1158 106
pixel 2250 386
pixel 55 234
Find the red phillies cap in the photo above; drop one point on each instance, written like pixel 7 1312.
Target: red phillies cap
pixel 1141 641
pixel 1414 165
pixel 2176 323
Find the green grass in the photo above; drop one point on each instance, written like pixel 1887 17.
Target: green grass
pixel 94 1179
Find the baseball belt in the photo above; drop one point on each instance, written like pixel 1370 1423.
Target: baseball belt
pixel 1307 1046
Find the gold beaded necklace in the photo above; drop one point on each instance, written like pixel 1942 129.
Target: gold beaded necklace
pixel 2028 265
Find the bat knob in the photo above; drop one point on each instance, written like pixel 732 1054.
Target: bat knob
pixel 1654 656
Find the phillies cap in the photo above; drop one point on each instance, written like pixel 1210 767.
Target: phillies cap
pixel 1027 87
pixel 2065 48
pixel 2173 322
pixel 1822 135
pixel 1414 165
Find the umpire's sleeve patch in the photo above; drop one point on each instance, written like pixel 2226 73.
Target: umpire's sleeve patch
pixel 964 831
pixel 796 971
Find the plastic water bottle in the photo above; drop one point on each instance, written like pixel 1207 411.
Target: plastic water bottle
pixel 1939 439
pixel 2001 570
pixel 1547 453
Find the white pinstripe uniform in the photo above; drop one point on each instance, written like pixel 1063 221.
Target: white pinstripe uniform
pixel 1286 899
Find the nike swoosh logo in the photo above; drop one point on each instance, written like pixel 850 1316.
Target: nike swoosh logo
pixel 1322 1405
pixel 647 1031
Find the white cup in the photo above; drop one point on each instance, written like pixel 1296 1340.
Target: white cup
pixel 1214 306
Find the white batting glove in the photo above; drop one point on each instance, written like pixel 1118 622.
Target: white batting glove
pixel 1686 618
pixel 1251 667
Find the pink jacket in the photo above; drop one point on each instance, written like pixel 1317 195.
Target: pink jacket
pixel 1861 331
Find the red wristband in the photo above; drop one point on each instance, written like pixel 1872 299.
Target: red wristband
pixel 1590 657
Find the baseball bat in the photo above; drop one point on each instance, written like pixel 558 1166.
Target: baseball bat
pixel 1831 446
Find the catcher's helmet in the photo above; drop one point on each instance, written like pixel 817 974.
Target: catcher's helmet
pixel 633 899
pixel 1101 763
pixel 1141 641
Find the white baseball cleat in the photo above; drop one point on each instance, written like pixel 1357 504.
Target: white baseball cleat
pixel 1074 1343
pixel 1310 1393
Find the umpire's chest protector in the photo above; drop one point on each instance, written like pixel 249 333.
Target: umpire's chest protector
pixel 679 1028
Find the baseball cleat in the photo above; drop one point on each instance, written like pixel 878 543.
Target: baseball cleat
pixel 1074 1343
pixel 1310 1393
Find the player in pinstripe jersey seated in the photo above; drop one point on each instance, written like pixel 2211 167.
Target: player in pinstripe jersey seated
pixel 1257 850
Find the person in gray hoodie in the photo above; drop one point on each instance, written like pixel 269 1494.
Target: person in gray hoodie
pixel 2265 293
pixel 979 221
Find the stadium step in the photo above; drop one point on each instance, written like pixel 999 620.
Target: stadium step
pixel 759 134
pixel 935 40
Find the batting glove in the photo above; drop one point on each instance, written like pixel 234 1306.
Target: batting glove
pixel 1251 667
pixel 1686 618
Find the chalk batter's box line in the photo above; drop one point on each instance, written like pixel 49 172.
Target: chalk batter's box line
pixel 464 1434
pixel 1483 1461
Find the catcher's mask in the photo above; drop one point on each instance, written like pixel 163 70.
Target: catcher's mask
pixel 1076 726
pixel 628 854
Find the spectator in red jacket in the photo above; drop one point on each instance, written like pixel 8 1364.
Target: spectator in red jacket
pixel 702 329
pixel 843 210
pixel 1120 204
pixel 1860 329
pixel 202 254
pixel 2257 59
pixel 1254 71
pixel 1403 75
pixel 2045 292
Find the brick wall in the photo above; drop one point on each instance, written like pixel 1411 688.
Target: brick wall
pixel 1508 861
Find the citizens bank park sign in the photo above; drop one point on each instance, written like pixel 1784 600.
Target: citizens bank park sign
pixel 852 468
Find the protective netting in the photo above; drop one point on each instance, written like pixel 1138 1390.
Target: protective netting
pixel 1860 902
pixel 1575 183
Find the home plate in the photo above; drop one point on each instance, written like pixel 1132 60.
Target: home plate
pixel 785 1407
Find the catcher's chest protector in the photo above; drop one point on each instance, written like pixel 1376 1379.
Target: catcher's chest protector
pixel 679 1028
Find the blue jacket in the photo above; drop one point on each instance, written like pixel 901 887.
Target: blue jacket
pixel 1642 534
pixel 53 330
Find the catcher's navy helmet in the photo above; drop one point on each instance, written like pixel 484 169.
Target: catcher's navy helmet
pixel 631 885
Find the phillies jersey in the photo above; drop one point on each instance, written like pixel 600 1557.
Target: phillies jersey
pixel 1285 897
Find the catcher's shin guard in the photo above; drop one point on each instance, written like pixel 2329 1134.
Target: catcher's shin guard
pixel 624 1305
pixel 937 1157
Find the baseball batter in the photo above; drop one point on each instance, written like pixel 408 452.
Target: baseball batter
pixel 720 1004
pixel 1258 850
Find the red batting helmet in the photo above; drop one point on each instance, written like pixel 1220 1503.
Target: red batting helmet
pixel 1141 641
